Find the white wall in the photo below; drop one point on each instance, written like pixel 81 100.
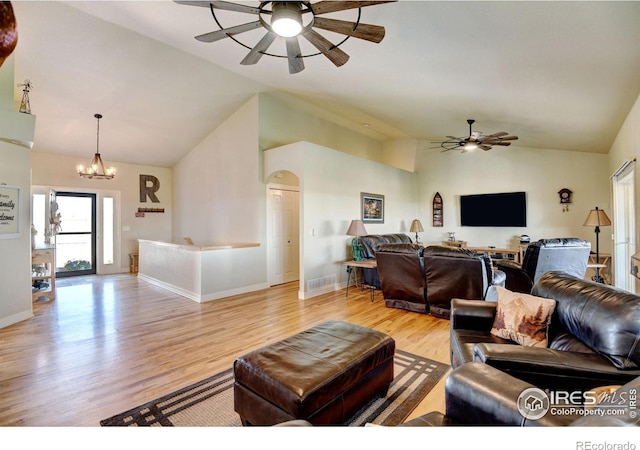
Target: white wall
pixel 284 121
pixel 541 173
pixel 219 196
pixel 218 193
pixel 15 253
pixel 330 186
pixel 59 172
pixel 627 147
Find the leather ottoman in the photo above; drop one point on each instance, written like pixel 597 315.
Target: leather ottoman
pixel 323 375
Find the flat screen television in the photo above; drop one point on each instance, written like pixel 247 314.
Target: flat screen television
pixel 507 209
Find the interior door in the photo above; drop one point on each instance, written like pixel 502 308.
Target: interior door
pixel 76 239
pixel 624 225
pixel 283 236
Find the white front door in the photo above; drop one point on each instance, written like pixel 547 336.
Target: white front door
pixel 283 236
pixel 624 226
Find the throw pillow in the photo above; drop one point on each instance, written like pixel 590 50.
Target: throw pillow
pixel 523 318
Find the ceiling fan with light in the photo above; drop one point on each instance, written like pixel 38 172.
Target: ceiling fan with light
pixel 288 20
pixel 476 140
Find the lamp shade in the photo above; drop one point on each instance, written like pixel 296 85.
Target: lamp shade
pixel 597 218
pixel 356 228
pixel 416 226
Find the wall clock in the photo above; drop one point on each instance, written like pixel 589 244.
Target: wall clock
pixel 565 195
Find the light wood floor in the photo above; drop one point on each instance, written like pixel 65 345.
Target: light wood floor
pixel 109 343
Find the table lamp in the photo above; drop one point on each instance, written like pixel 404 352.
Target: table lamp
pixel 356 228
pixel 416 227
pixel 597 218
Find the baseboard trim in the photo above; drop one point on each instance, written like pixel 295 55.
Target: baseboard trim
pixel 15 318
pixel 201 298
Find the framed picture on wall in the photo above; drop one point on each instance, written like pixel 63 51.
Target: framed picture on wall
pixel 9 212
pixel 372 207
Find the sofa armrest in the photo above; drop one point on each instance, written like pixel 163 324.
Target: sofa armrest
pixel 499 279
pixel 478 394
pixel 517 280
pixel 552 369
pixel 477 315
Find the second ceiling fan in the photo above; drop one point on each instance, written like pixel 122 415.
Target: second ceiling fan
pixel 288 20
pixel 476 140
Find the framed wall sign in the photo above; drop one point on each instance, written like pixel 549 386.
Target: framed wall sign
pixel 372 207
pixel 437 210
pixel 9 212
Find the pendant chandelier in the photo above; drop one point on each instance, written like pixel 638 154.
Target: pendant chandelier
pixel 96 167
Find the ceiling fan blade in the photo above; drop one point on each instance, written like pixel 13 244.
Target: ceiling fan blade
pixel 335 55
pixel 256 52
pixel 296 64
pixel 325 7
pixel 235 7
pixel 372 33
pixel 501 143
pixel 499 134
pixel 225 32
pixel 221 5
pixel 484 147
pixel 509 138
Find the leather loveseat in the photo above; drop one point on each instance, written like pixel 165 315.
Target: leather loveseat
pixel 426 279
pixel 593 336
pixel 370 244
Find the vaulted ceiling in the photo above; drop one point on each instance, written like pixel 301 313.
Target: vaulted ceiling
pixel 560 75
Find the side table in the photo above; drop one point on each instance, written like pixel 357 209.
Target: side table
pixel 364 264
pixel 43 272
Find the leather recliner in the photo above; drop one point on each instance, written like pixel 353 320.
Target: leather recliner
pixel 457 273
pixel 402 277
pixel 592 338
pixel 569 255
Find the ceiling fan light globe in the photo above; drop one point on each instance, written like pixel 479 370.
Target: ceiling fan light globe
pixel 470 146
pixel 286 19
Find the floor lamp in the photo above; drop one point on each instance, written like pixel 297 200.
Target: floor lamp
pixel 597 218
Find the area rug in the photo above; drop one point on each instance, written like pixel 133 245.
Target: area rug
pixel 209 403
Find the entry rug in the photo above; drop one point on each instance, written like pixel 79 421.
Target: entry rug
pixel 209 403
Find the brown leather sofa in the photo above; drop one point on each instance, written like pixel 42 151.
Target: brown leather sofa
pixel 425 280
pixel 480 395
pixel 370 244
pixel 593 336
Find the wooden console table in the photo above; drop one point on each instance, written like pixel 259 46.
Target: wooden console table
pixel 364 264
pixel 501 251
